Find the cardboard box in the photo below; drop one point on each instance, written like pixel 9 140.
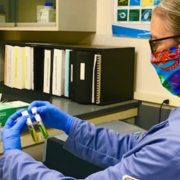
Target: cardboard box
pixel 17 105
pixel 5 113
pixel 7 109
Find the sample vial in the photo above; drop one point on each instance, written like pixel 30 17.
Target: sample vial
pixel 48 13
pixel 40 123
pixel 2 14
pixel 31 127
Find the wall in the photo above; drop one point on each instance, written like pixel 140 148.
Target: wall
pixel 147 84
pixel 149 116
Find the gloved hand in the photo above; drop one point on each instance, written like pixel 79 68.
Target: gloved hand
pixel 52 116
pixel 11 132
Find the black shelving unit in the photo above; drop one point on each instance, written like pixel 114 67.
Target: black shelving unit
pixel 124 56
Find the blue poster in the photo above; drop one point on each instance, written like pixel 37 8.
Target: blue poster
pixel 132 18
pixel 134 2
pixel 121 31
pixel 156 2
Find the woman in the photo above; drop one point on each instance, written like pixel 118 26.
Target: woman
pixel 153 156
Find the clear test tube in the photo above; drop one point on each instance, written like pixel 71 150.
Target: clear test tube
pixel 32 131
pixel 40 123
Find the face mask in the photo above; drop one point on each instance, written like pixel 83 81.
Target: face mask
pixel 167 65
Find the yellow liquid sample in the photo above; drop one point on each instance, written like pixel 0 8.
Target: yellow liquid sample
pixel 34 135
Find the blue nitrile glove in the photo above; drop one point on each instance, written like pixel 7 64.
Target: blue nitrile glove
pixel 11 132
pixel 52 116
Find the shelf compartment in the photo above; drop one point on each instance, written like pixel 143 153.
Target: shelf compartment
pixel 71 16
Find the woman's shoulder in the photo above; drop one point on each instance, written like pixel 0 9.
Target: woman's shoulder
pixel 174 111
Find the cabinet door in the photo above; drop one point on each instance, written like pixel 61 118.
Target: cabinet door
pixel 7 13
pixel 34 13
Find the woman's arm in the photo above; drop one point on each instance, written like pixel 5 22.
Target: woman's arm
pixel 99 146
pixel 151 163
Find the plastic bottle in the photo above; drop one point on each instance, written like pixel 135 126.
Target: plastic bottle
pixel 2 14
pixel 48 13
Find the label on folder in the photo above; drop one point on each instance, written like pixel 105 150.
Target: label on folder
pixel 71 72
pixel 82 71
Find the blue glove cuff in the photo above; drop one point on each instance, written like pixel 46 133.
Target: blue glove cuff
pixel 70 120
pixel 11 144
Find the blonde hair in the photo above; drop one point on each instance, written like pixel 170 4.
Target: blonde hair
pixel 169 11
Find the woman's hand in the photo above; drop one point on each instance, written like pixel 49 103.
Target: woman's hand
pixel 52 116
pixel 11 132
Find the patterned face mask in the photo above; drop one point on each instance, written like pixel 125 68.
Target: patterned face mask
pixel 167 65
